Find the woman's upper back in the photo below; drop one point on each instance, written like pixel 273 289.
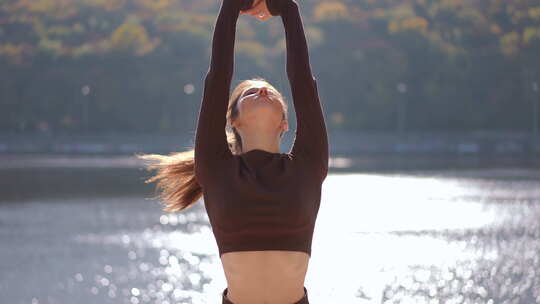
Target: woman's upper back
pixel 263 208
pixel 263 201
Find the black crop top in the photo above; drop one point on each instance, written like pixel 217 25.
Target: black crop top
pixel 261 200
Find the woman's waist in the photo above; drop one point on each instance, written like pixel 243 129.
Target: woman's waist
pixel 265 265
pixel 280 293
pixel 269 276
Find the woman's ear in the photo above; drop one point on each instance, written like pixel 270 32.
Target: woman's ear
pixel 235 123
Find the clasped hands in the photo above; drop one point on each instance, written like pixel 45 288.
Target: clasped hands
pixel 259 10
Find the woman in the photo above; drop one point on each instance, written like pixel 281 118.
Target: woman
pixel 262 204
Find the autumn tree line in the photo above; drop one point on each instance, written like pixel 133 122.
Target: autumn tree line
pixel 96 66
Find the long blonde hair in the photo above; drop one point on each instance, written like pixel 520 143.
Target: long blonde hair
pixel 175 173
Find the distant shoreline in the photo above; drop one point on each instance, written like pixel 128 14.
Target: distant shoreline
pixel 360 162
pixel 349 151
pixel 342 143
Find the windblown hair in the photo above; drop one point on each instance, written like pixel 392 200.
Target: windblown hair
pixel 175 173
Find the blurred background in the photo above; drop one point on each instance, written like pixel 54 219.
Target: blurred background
pixel 432 109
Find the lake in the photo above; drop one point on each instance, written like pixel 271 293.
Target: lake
pixel 87 230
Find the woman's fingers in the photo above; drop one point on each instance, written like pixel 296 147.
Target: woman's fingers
pixel 259 11
pixel 263 16
pixel 257 3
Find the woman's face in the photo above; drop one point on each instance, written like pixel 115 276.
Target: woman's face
pixel 260 104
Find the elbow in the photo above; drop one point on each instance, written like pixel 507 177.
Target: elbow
pixel 198 158
pixel 324 170
pixel 325 162
pixel 199 170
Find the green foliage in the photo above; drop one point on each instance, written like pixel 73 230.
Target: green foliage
pixel 132 37
pixel 52 47
pixel 463 63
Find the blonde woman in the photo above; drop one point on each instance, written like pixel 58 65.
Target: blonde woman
pixel 262 204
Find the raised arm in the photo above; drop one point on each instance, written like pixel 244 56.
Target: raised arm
pixel 311 139
pixel 210 140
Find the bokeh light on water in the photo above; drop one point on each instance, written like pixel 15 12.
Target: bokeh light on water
pixel 469 237
pixel 422 237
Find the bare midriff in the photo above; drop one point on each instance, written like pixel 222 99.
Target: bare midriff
pixel 268 276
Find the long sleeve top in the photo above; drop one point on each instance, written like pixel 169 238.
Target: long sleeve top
pixel 261 200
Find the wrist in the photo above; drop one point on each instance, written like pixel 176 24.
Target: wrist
pixel 275 6
pixel 240 5
pixel 278 7
pixel 245 4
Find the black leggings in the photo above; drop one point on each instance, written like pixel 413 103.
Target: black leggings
pixel 303 300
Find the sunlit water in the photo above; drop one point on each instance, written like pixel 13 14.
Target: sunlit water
pixel 432 237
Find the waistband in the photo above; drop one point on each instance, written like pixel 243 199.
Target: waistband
pixel 303 300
